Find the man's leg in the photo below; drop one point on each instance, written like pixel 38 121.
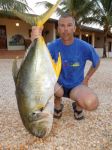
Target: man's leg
pixel 58 93
pixel 85 98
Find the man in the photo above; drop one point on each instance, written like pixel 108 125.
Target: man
pixel 72 83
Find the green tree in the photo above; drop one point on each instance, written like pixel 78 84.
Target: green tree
pixel 104 8
pixel 89 11
pixel 7 5
pixel 102 15
pixel 78 8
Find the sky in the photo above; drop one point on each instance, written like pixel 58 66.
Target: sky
pixel 40 9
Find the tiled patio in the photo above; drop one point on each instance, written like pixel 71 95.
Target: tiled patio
pixel 5 54
pixel 92 133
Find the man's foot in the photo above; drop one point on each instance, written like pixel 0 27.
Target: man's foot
pixel 58 112
pixel 78 114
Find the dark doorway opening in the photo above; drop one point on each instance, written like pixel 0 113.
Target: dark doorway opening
pixel 3 37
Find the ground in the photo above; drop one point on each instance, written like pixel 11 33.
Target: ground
pixel 92 133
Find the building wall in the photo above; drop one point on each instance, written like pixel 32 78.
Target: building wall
pixel 49 32
pixel 12 29
pixel 99 40
pixel 94 38
pixel 24 30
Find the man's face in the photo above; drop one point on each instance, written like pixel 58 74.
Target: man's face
pixel 66 28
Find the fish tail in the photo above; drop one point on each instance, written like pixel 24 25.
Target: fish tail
pixel 46 15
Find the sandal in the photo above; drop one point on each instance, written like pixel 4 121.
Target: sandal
pixel 77 114
pixel 58 112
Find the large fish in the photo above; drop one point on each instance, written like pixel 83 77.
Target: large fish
pixel 35 81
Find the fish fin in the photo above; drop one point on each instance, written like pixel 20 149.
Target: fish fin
pixel 39 106
pixel 43 18
pixel 57 65
pixel 15 69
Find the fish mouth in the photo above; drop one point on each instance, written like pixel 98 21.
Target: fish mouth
pixel 39 124
pixel 38 129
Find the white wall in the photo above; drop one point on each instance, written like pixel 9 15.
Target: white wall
pixel 100 51
pixel 99 40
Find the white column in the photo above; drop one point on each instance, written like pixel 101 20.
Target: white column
pixel 80 35
pixel 111 47
pixel 54 32
pixel 93 39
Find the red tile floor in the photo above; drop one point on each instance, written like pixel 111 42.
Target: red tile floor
pixel 5 54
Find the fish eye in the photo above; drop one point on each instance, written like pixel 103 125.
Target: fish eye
pixel 33 113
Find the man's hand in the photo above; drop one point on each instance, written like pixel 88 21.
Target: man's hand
pixel 90 72
pixel 85 82
pixel 36 32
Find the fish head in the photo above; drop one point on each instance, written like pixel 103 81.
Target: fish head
pixel 37 116
pixel 40 123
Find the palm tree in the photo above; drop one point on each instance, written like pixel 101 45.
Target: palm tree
pixel 6 6
pixel 104 8
pixel 89 11
pixel 78 8
pixel 102 15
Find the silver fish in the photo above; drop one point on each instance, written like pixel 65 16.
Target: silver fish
pixel 34 82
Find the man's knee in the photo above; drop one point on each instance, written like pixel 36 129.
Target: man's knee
pixel 91 102
pixel 58 90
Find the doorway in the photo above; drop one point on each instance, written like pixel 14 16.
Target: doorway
pixel 3 37
pixel 87 38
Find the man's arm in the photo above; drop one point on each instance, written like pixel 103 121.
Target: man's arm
pixel 90 73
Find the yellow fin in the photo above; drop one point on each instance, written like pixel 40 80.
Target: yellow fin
pixel 46 15
pixel 57 65
pixel 39 106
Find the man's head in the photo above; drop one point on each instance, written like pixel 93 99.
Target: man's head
pixel 66 15
pixel 66 27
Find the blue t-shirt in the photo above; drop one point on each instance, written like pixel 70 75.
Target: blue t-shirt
pixel 74 58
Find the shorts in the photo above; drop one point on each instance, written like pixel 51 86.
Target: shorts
pixel 67 92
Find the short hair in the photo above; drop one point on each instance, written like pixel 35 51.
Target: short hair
pixel 66 15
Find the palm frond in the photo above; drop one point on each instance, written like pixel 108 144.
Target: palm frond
pixel 26 17
pixel 45 4
pixel 5 13
pixel 99 5
pixel 20 6
pixel 91 20
pixel 87 11
pixel 36 20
